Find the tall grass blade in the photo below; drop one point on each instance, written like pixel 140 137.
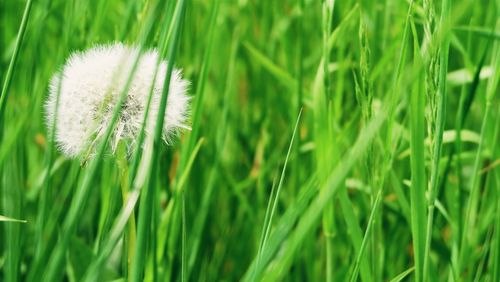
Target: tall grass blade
pixel 313 213
pixel 12 64
pixel 418 177
pixel 147 199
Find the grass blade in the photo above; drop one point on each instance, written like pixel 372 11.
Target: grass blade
pixel 19 40
pixel 9 219
pixel 418 178
pixel 269 221
pixel 313 213
pixel 147 199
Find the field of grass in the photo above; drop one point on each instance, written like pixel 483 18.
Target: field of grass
pixel 351 140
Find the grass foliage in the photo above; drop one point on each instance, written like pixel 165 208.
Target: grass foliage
pixel 330 140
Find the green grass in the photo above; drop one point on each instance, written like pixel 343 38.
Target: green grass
pixel 323 144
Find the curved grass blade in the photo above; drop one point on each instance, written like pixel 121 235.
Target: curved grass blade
pixel 282 75
pixel 311 216
pixel 403 275
pixel 282 229
pixel 19 40
pixel 270 213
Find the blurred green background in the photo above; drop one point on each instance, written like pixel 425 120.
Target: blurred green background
pixel 338 203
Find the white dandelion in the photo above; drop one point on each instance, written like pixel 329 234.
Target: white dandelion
pixel 90 86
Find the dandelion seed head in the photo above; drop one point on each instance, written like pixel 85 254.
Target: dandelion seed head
pixel 89 86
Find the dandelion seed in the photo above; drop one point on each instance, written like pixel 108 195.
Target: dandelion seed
pixel 90 86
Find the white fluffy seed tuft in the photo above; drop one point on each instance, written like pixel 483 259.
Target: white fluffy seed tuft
pixel 90 86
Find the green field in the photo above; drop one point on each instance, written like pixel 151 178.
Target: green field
pixel 352 140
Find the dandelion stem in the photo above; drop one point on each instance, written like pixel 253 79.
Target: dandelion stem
pixel 122 162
